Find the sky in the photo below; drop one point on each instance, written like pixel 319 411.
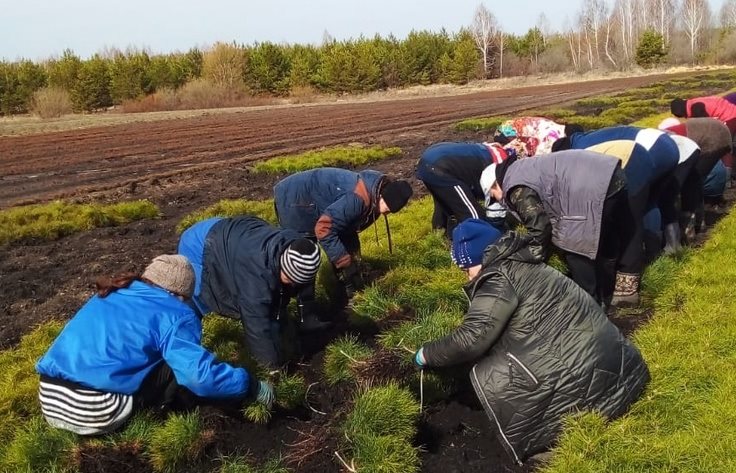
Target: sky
pixel 39 29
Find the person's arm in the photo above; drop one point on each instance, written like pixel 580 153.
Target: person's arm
pixel 528 207
pixel 485 321
pixel 341 215
pixel 261 331
pixel 196 368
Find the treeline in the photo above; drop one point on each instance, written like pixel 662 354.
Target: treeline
pixel 362 65
pixel 225 74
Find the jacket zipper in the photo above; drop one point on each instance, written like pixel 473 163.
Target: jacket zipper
pixel 526 370
pixel 488 408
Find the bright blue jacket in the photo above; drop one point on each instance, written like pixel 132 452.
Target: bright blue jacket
pixel 326 203
pixel 114 342
pixel 191 245
pixel 662 149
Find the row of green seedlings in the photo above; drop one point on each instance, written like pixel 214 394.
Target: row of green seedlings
pixel 57 219
pixel 622 108
pixel 685 421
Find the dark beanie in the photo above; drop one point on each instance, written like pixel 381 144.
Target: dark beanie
pixel 470 240
pixel 562 144
pixel 572 128
pixel 300 261
pixel 396 194
pixel 679 108
pixel 503 167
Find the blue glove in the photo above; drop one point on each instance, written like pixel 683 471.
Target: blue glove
pixel 419 360
pixel 265 393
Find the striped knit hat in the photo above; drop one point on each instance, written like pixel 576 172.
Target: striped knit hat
pixel 300 261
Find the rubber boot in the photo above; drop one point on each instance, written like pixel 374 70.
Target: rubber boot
pixel 687 222
pixel 626 292
pixel 672 239
pixel 308 318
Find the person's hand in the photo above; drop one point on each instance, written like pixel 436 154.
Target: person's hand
pixel 352 279
pixel 419 360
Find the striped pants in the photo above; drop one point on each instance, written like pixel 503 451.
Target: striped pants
pixel 452 205
pixel 68 406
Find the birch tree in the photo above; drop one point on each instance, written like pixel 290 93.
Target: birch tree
pixel 728 14
pixel 695 16
pixel 660 17
pixel 484 31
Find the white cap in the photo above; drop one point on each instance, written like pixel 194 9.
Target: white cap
pixel 487 179
pixel 668 123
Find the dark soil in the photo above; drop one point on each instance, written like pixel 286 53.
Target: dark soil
pixel 122 458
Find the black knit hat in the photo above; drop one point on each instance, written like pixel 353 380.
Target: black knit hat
pixel 396 194
pixel 503 167
pixel 300 261
pixel 679 108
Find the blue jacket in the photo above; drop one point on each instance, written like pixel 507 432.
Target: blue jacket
pixel 662 149
pixel 191 245
pixel 715 183
pixel 113 343
pixel 328 202
pixel 446 164
pixel 240 276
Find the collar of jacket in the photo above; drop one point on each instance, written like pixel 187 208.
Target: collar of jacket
pixel 372 182
pixel 512 246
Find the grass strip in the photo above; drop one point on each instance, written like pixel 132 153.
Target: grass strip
pixel 685 421
pixel 58 219
pixel 231 208
pixel 620 109
pixel 355 155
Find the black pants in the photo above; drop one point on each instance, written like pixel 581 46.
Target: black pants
pixel 160 391
pixel 452 205
pixel 618 249
pixel 672 186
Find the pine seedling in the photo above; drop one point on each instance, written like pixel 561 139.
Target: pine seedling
pixel 236 464
pixel 342 356
pixel 257 412
pixel 274 465
pixel 180 440
pixel 290 391
pixel 39 447
pixel 384 454
pixel 429 326
pixel 383 410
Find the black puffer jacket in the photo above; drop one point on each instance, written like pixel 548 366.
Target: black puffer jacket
pixel 543 347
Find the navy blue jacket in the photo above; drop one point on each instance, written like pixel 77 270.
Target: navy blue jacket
pixel 241 276
pixel 329 202
pixel 446 164
pixel 662 149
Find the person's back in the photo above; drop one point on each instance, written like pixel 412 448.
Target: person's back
pixel 450 162
pixel 132 320
pixel 558 341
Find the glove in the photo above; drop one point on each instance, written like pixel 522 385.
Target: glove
pixel 265 393
pixel 352 279
pixel 419 360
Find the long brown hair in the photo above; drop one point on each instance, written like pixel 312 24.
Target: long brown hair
pixel 106 285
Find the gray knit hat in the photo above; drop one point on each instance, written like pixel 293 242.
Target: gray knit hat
pixel 300 261
pixel 173 273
